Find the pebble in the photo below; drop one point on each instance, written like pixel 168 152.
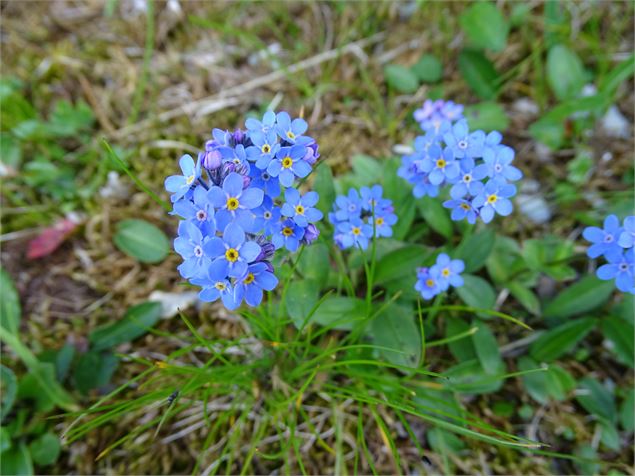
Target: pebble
pixel 614 124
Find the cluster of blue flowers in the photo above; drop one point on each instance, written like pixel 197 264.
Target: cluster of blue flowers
pixel 444 273
pixel 357 214
pixel 615 242
pixel 476 166
pixel 238 205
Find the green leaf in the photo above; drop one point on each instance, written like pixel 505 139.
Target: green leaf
pixel 135 323
pixel 588 457
pixel 16 461
pixel 554 382
pixel 487 349
pixel 395 328
pixel 525 296
pixel 63 361
pixel 39 371
pixel 9 387
pixel 487 116
pixel 610 438
pixel 461 349
pixel 585 295
pixel 45 449
pixel 565 72
pixel 314 263
pixel 443 441
pixel 479 73
pixel 391 266
pixel 560 340
pixel 401 78
pixel 476 292
pixel 367 169
pixel 142 241
pixel 549 255
pixel 485 26
pixel 475 249
pixel 300 299
pixel 469 377
pixel 428 69
pixel 5 439
pixel 620 334
pixel 627 418
pixel 548 132
pixel 596 399
pixel 323 185
pixel 340 312
pixel 407 212
pixel 504 261
pixel 435 216
pixel 94 370
pixel 10 310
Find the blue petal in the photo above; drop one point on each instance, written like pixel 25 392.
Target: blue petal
pixel 233 235
pixel 253 295
pixel 503 207
pixel 267 281
pixel 250 251
pixel 187 165
pixel 174 183
pixel 593 234
pixel 233 184
pixel 292 196
pixel 237 269
pixel 286 177
pixel 252 198
pixel 301 168
pixel 209 294
pixel 274 168
pixel 299 126
pixel 214 247
pixel 607 271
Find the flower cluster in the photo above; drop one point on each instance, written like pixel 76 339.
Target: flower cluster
pixel 444 273
pixel 238 205
pixel 476 166
pixel 433 113
pixel 615 242
pixel 355 216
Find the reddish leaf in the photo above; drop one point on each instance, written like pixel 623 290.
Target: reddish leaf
pixel 50 239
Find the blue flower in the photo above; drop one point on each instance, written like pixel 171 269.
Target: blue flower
pixel 251 286
pixel 267 217
pixel 347 207
pixel 383 222
pixel 216 285
pixel 179 185
pixel 287 235
pixel 264 149
pixel 448 271
pixel 262 179
pixel 423 187
pixel 199 211
pixel 232 251
pixel 190 244
pixel 440 165
pixel 301 209
pixel 461 209
pixel 627 237
pixel 464 144
pixel 604 240
pixel 288 164
pixel 498 161
pixel 354 233
pixel 236 156
pixel 427 283
pixel 468 180
pixel 494 199
pixel 291 131
pixel 434 114
pixel 621 267
pixel 372 198
pixel 268 122
pixel 234 203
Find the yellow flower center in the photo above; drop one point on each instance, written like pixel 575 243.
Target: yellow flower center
pixel 265 149
pixel 379 221
pixel 492 198
pixel 249 279
pixel 287 162
pixel 290 135
pixel 220 286
pixel 232 203
pixel 445 272
pixel 356 230
pixel 441 163
pixel 286 231
pixel 231 255
pixel 464 206
pixel 299 209
pixel 189 180
pixel 429 282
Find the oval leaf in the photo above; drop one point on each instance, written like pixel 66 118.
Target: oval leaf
pixel 401 78
pixel 142 240
pixel 479 73
pixel 565 72
pixel 560 340
pixel 136 322
pixel 395 328
pixel 585 295
pixel 485 26
pixel 477 292
pixel 487 349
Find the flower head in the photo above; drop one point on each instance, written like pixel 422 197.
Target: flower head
pixel 463 143
pixel 605 240
pixel 448 271
pixel 179 185
pixel 233 202
pixel 494 199
pixel 627 237
pixel 291 130
pixel 301 209
pixel 621 267
pixel 288 164
pixel 287 235
pixel 251 286
pixel 232 251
